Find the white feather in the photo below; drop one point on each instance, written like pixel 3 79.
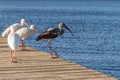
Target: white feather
pixel 25 32
pixel 5 33
pixel 50 29
pixel 16 26
pixel 13 39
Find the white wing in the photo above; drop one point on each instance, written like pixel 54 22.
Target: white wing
pixel 5 33
pixel 24 32
pixel 16 27
pixel 13 41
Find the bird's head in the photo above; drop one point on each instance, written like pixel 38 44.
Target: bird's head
pixel 23 21
pixel 62 26
pixel 32 27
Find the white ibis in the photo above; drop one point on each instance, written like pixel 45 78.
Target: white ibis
pixel 13 42
pixel 26 32
pixel 16 27
pixel 52 33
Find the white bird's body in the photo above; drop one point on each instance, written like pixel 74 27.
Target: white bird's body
pixel 23 30
pixel 13 42
pixel 16 26
pixel 26 32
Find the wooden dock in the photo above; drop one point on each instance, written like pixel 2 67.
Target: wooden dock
pixel 37 65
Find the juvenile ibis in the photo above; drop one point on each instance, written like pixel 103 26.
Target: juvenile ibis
pixel 26 32
pixel 52 33
pixel 13 42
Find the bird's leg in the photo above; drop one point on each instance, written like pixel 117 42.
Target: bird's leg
pixel 48 45
pixel 14 57
pixel 11 56
pixel 23 46
pixel 53 52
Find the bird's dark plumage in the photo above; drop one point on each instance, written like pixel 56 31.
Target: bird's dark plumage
pixel 50 34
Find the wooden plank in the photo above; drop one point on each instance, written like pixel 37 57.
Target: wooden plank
pixel 37 65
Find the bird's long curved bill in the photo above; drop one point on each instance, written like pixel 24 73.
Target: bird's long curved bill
pixel 69 30
pixel 36 30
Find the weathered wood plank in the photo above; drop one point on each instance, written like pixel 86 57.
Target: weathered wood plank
pixel 37 65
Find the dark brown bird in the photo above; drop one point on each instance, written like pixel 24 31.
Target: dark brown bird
pixel 52 33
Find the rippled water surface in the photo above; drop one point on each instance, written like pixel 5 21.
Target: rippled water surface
pixel 95 24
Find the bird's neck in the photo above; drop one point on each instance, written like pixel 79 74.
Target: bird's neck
pixel 61 31
pixel 31 32
pixel 25 25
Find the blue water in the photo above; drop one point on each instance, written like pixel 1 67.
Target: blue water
pixel 95 24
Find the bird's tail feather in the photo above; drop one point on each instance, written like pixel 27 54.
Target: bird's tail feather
pixel 38 38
